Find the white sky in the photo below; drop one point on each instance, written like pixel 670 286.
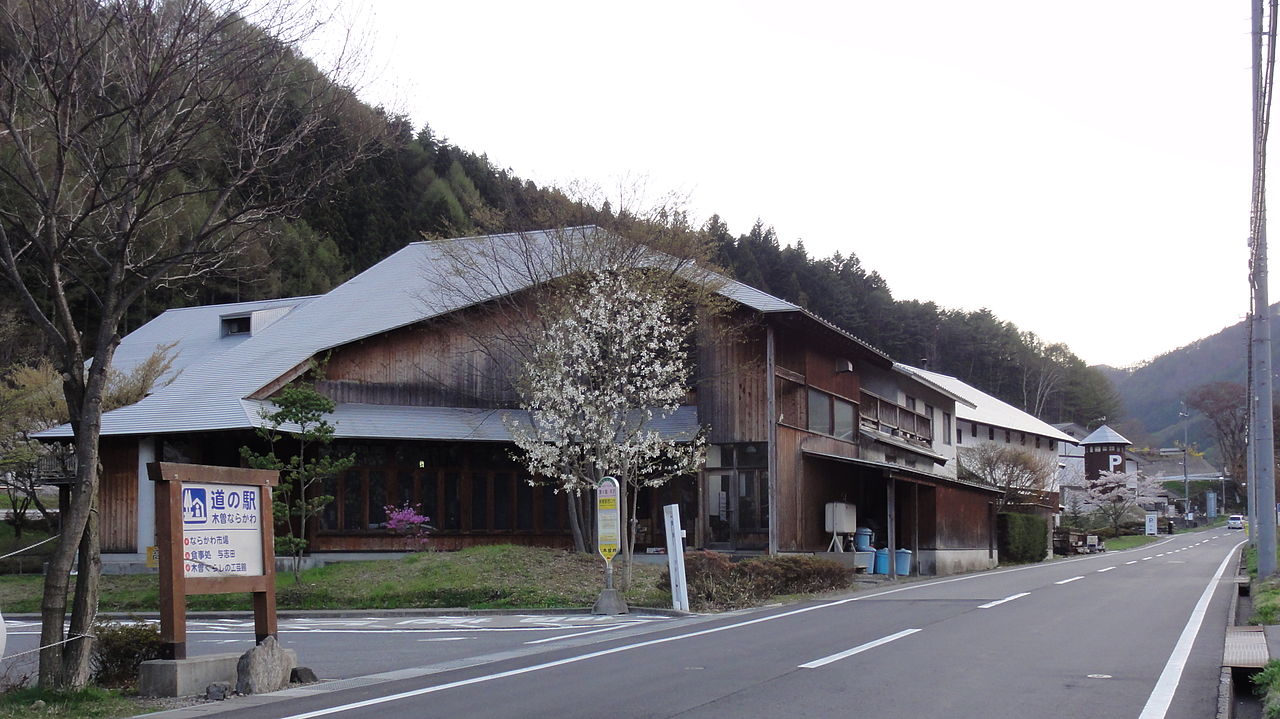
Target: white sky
pixel 1080 168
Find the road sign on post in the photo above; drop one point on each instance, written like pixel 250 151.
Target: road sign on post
pixel 608 540
pixel 215 535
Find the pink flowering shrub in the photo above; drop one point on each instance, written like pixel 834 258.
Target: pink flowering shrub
pixel 408 522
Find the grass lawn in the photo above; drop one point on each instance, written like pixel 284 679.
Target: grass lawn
pixel 92 703
pixel 501 576
pixel 1130 541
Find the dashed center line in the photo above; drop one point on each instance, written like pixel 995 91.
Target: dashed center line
pixel 1132 561
pixel 1146 558
pixel 1068 581
pixel 998 602
pixel 858 649
pixel 1108 569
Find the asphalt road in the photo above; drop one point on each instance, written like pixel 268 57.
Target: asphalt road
pixel 1123 634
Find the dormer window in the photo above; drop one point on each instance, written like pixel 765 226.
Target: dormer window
pixel 235 325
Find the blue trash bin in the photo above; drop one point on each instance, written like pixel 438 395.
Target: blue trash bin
pixel 882 561
pixel 862 539
pixel 903 567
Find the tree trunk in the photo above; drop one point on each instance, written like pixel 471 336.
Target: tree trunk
pixel 62 665
pixel 65 665
pixel 575 523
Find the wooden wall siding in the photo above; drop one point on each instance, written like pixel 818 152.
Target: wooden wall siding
pixel 118 495
pixel 732 392
pixel 963 518
pixel 822 370
pixel 340 543
pixel 791 498
pixel 428 364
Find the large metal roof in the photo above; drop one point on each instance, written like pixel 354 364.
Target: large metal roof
pixel 982 408
pixel 220 373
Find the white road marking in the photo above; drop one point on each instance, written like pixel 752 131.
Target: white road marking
pixel 570 636
pixel 444 639
pixel 998 602
pixel 1157 705
pixel 858 649
pixel 1108 569
pixel 1068 581
pixel 1146 558
pixel 1132 562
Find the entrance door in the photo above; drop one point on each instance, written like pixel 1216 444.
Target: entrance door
pixel 721 506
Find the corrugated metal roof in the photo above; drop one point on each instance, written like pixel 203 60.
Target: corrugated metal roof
pixel 219 373
pixel 368 421
pixel 1105 435
pixel 985 409
pixel 196 331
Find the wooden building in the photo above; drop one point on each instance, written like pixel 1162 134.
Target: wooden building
pixel 799 414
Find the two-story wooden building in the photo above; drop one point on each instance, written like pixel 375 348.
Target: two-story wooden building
pixel 799 413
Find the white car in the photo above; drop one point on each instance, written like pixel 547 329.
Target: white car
pixel 1235 521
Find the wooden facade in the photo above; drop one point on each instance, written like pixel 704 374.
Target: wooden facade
pixel 798 414
pixel 118 495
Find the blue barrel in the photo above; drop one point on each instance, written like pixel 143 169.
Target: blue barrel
pixel 882 561
pixel 903 567
pixel 862 539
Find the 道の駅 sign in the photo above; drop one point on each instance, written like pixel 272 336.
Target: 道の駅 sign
pixel 221 530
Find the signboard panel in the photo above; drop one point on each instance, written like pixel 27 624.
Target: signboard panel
pixel 1151 524
pixel 221 530
pixel 608 521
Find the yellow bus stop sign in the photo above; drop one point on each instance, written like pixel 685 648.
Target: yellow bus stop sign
pixel 608 522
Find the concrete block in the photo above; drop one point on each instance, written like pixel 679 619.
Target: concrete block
pixel 185 677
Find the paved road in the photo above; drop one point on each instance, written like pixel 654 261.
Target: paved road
pixel 1125 634
pixel 351 646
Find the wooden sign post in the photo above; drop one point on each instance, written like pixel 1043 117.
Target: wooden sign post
pixel 215 535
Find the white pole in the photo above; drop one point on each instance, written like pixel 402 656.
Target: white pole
pixel 675 558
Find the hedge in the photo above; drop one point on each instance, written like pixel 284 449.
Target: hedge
pixel 1022 537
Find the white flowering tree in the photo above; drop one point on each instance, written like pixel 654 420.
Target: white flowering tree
pixel 1117 494
pixel 611 362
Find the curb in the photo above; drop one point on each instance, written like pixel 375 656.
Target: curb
pixel 1226 679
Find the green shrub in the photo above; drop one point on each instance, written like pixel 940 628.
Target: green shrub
pixel 1021 537
pixel 118 649
pixel 1266 684
pixel 715 582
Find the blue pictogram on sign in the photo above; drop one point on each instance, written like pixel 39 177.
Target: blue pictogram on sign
pixel 195 505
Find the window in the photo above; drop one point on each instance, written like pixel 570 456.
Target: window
pixel 959 436
pixel 1037 441
pixel 946 427
pixel 843 420
pixel 991 433
pixel 1008 437
pixel 973 429
pixel 235 325
pixel 911 403
pixel 820 412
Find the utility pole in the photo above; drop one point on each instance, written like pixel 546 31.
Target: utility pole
pixel 1263 436
pixel 1186 481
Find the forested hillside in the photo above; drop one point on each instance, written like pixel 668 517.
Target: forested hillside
pixel 1153 392
pixel 423 184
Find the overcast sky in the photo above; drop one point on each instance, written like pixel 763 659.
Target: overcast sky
pixel 1080 168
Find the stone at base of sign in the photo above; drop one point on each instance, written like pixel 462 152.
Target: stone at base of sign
pixel 217 691
pixel 265 668
pixel 303 675
pixel 610 602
